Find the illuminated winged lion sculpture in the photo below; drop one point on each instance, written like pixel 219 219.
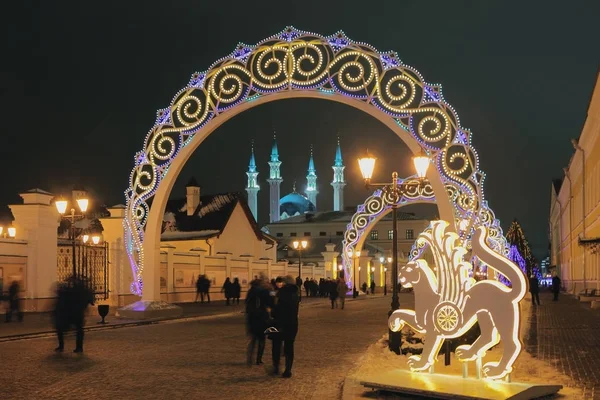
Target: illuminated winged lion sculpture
pixel 448 304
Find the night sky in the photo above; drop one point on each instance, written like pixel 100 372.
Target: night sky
pixel 81 81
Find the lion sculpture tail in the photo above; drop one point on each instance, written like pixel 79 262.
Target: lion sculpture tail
pixel 498 262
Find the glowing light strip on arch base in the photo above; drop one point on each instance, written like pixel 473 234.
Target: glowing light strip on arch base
pixel 295 60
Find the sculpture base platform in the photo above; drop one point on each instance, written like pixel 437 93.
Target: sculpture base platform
pixel 455 387
pixel 141 310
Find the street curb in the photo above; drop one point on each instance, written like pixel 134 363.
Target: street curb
pixel 51 333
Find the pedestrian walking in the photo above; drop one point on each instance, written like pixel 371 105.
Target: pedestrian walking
pixel 341 292
pixel 14 306
pixel 333 294
pixel 227 289
pixel 555 286
pixel 258 300
pixel 205 289
pixel 236 291
pixel 534 289
pixel 73 299
pixel 199 289
pixel 285 314
pixel 373 286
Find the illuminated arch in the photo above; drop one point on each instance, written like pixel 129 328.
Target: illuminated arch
pixel 294 64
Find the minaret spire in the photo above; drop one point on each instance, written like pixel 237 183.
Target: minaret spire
pixel 252 187
pixel 311 180
pixel 338 179
pixel 274 182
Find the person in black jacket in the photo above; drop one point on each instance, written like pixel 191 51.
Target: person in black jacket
pixel 13 302
pixel 285 313
pixel 73 299
pixel 236 291
pixel 227 289
pixel 534 289
pixel 555 287
pixel 258 300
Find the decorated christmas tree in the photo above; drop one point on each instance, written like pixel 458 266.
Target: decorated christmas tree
pixel 520 252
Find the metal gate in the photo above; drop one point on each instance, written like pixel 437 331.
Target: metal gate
pixel 91 264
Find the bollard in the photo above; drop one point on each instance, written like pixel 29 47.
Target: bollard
pixel 478 368
pixel 507 378
pixel 465 369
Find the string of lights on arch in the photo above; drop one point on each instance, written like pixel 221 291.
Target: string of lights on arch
pixel 295 60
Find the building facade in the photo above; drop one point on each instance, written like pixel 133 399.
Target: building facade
pixel 574 221
pixel 324 232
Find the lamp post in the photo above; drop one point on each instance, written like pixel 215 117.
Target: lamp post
pixel 354 256
pixel 299 246
pixel 396 191
pixel 61 206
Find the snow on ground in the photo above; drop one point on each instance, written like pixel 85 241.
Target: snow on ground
pixel 527 369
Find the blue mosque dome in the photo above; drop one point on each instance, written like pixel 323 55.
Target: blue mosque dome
pixel 294 204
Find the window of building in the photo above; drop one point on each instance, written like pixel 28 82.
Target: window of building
pixel 391 234
pixel 339 233
pixel 293 234
pixel 279 234
pixel 322 233
pixel 306 233
pixel 374 235
pixel 410 234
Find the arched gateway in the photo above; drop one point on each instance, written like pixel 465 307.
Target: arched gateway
pixel 294 64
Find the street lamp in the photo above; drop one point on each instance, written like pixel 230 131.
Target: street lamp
pixel 61 206
pixel 395 191
pixel 299 246
pixel 11 232
pixel 354 256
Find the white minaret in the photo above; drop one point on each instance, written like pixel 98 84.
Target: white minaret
pixel 311 181
pixel 274 183
pixel 252 187
pixel 338 180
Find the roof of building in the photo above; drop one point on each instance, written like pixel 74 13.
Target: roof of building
pixel 295 203
pixel 192 183
pixel 210 217
pixel 338 216
pixel 557 183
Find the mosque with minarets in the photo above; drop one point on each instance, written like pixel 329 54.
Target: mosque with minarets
pixel 297 216
pixel 293 204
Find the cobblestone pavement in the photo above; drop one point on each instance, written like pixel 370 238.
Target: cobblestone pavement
pixel 568 337
pixel 194 359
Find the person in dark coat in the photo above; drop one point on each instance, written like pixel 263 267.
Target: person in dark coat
pixel 205 290
pixel 373 287
pixel 199 288
pixel 236 291
pixel 285 314
pixel 258 301
pixel 534 289
pixel 227 289
pixel 333 293
pixel 555 287
pixel 13 302
pixel 73 299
